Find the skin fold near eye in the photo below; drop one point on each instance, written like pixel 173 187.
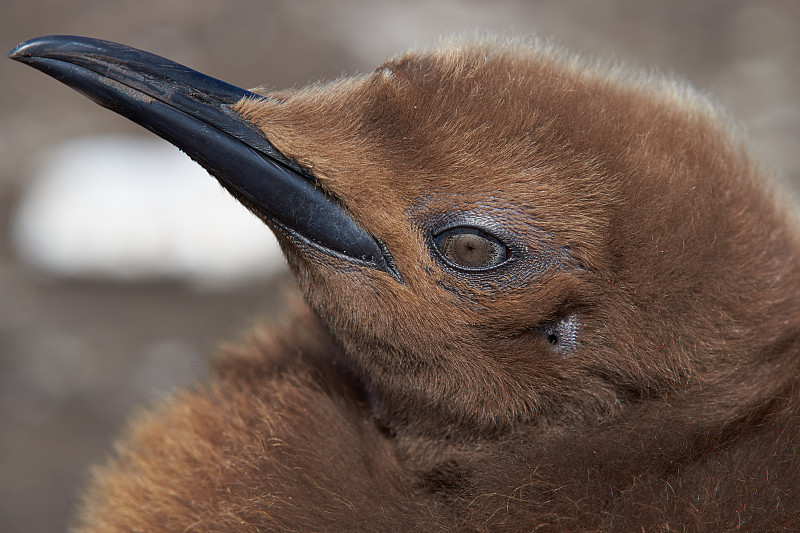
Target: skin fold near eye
pixel 470 248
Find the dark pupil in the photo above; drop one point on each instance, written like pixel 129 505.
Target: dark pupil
pixel 470 251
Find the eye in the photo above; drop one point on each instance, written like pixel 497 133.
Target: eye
pixel 470 248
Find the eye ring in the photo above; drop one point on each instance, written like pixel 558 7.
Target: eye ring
pixel 471 249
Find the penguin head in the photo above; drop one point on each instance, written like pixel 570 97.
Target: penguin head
pixel 550 240
pixel 565 233
pixel 571 238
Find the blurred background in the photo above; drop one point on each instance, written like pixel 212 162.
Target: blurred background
pixel 119 275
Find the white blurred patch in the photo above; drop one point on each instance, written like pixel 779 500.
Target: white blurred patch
pixel 131 208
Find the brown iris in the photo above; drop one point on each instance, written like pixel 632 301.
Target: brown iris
pixel 470 248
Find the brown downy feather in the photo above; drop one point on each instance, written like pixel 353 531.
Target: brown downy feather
pixel 639 374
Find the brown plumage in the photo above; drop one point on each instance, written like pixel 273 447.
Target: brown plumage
pixel 630 364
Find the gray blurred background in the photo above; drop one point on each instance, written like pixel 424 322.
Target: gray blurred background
pixel 78 354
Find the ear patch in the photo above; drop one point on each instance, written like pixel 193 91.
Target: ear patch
pixel 561 335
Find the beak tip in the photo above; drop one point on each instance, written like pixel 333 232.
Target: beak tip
pixel 18 53
pixel 32 48
pixel 27 49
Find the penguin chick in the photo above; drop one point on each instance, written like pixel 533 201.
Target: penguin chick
pixel 542 293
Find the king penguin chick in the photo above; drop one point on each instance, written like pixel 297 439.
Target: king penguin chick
pixel 541 294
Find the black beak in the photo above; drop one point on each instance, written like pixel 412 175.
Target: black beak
pixel 192 111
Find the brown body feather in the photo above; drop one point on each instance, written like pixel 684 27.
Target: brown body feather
pixel 439 404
